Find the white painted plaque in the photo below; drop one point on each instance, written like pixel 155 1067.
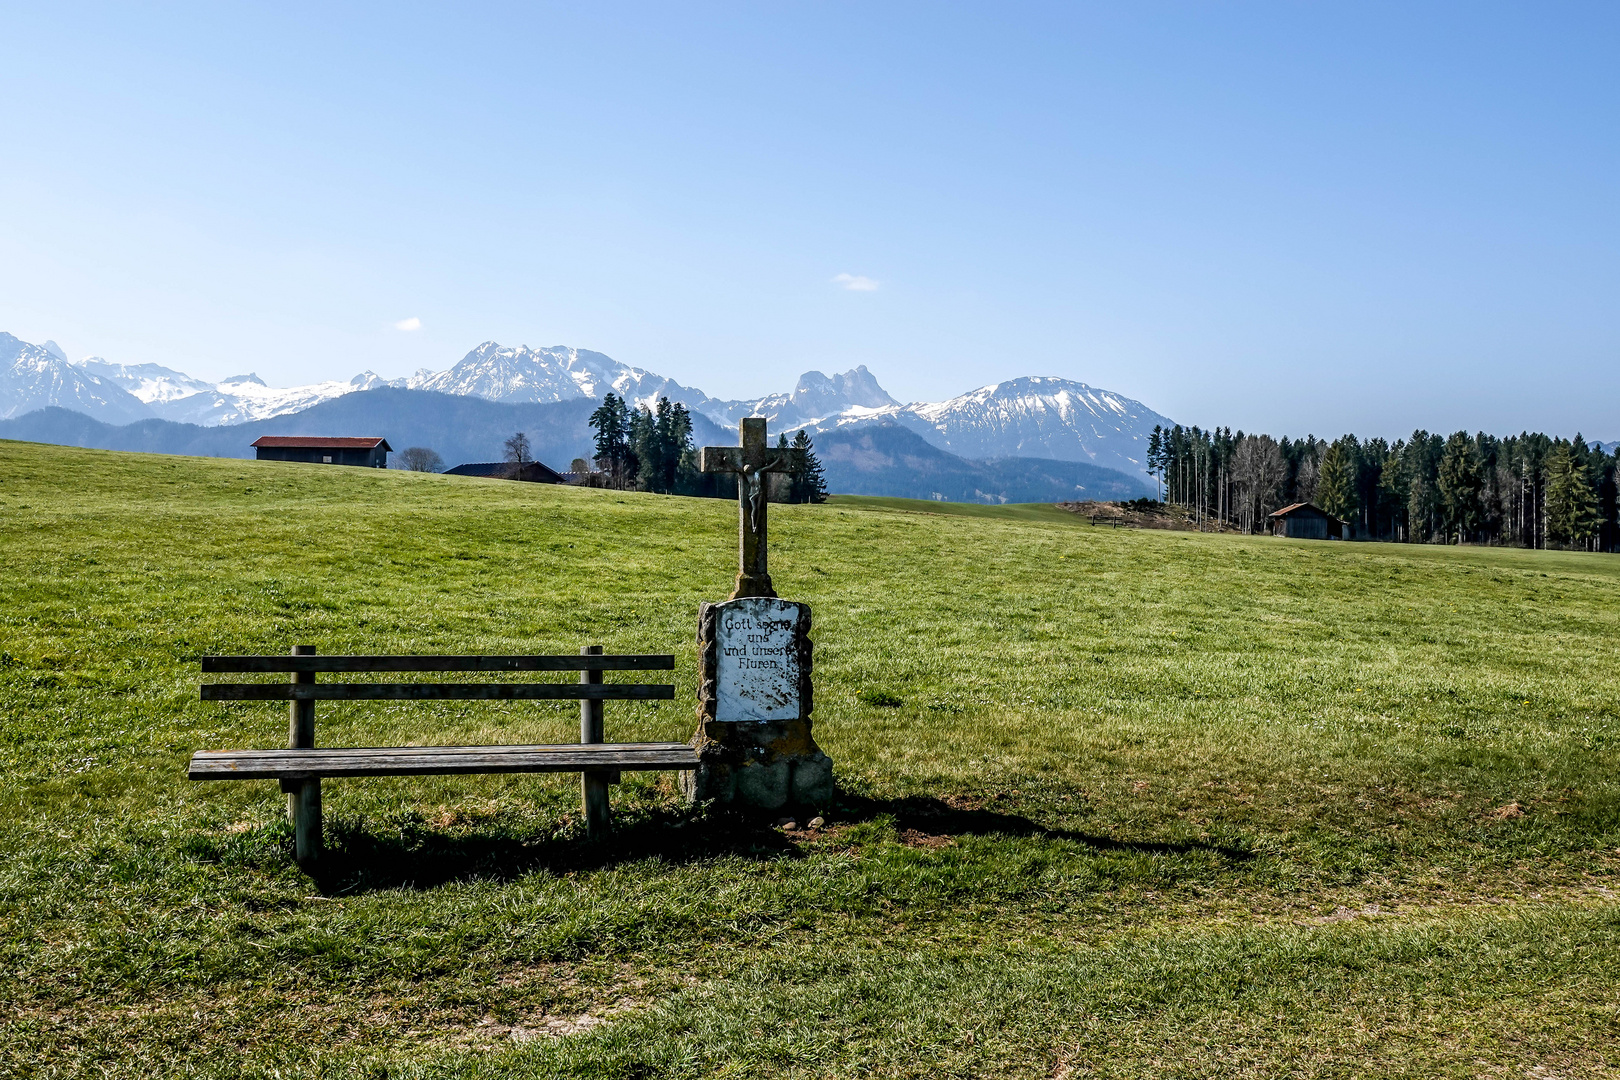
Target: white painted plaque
pixel 756 659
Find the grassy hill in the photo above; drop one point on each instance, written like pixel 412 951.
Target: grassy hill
pixel 1153 804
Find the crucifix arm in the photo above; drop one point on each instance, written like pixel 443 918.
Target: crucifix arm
pixel 778 461
pixel 721 459
pixel 737 459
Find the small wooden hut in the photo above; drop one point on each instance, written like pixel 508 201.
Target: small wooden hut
pixel 369 452
pixel 1307 521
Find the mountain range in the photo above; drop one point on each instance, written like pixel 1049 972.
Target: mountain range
pixel 45 397
pixel 881 457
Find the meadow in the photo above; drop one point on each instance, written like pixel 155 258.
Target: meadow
pixel 1113 803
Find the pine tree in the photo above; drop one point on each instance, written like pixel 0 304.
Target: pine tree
pixel 1371 462
pixel 1458 482
pixel 1336 483
pixel 809 480
pixel 612 421
pixel 1156 454
pixel 660 438
pixel 674 425
pixel 1394 491
pixel 645 449
pixel 1420 466
pixel 1572 516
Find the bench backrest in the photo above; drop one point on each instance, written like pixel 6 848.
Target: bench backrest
pixel 305 666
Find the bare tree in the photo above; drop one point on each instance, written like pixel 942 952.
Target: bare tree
pixel 517 449
pixel 421 459
pixel 1305 480
pixel 517 452
pixel 1258 470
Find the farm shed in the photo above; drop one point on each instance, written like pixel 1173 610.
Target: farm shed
pixel 369 452
pixel 531 471
pixel 1307 521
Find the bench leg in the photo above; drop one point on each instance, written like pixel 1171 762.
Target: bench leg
pixel 593 783
pixel 304 807
pixel 303 796
pixel 594 798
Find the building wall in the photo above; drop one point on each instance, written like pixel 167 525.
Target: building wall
pixel 372 459
pixel 1305 527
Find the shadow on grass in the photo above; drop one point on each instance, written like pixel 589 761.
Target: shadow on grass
pixel 362 856
pixel 926 816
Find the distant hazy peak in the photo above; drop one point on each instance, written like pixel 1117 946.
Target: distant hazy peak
pixel 250 377
pixel 817 394
pixel 55 350
pixel 816 397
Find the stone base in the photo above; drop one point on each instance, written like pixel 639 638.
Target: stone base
pixel 803 782
pixel 764 757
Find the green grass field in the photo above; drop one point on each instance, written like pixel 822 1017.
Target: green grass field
pixel 1153 804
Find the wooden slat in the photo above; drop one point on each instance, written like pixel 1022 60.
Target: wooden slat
pixel 629 662
pixel 436 691
pixel 437 760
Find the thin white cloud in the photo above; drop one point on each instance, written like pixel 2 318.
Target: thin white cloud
pixel 408 325
pixel 856 283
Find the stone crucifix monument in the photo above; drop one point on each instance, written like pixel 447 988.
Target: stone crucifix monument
pixel 754 695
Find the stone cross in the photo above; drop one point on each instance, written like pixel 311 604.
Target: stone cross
pixel 750 461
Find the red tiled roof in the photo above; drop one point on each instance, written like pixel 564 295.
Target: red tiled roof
pixel 316 442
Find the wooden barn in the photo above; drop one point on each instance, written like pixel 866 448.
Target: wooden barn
pixel 368 452
pixel 1307 521
pixel 531 471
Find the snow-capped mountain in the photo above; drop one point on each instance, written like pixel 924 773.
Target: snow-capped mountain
pixel 1035 417
pixel 557 373
pixel 174 395
pixel 1042 416
pixel 815 398
pixel 33 377
pixel 122 393
pixel 241 398
pixel 152 383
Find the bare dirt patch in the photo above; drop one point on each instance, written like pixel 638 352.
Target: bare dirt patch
pixel 529 1027
pixel 1140 515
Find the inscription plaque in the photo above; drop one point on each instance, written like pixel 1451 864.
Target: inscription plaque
pixel 756 660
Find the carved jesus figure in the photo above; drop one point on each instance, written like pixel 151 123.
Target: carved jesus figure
pixel 749 462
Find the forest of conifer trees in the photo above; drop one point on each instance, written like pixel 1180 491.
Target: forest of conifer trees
pixel 1526 490
pixel 650 449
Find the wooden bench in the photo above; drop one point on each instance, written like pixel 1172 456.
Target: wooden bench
pixel 301 766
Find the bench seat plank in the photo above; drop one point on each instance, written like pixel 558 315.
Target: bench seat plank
pixel 437 760
pixel 587 662
pixel 437 691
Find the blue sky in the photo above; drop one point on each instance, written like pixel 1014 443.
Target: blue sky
pixel 1283 217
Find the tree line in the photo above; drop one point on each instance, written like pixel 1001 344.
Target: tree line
pixel 1526 490
pixel 650 449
